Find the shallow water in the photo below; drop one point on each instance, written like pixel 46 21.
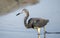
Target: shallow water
pixel 12 26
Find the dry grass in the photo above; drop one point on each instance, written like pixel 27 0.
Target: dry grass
pixel 7 6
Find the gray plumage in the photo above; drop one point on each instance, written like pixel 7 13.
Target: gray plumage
pixel 33 22
pixel 37 22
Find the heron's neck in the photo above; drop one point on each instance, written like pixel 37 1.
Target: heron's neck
pixel 25 19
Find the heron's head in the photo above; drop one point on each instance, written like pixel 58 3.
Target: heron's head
pixel 19 13
pixel 23 11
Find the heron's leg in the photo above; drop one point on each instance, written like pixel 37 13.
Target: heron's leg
pixel 44 32
pixel 38 36
pixel 38 30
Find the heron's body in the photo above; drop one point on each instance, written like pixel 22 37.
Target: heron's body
pixel 37 22
pixel 33 22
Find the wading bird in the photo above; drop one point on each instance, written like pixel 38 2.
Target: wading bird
pixel 35 23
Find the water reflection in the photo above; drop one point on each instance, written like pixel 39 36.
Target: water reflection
pixel 52 32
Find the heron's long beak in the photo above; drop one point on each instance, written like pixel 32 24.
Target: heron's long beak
pixel 18 14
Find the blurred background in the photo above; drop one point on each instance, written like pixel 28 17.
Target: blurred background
pixel 12 26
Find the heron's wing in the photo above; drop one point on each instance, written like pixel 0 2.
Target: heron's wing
pixel 38 22
pixel 34 21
